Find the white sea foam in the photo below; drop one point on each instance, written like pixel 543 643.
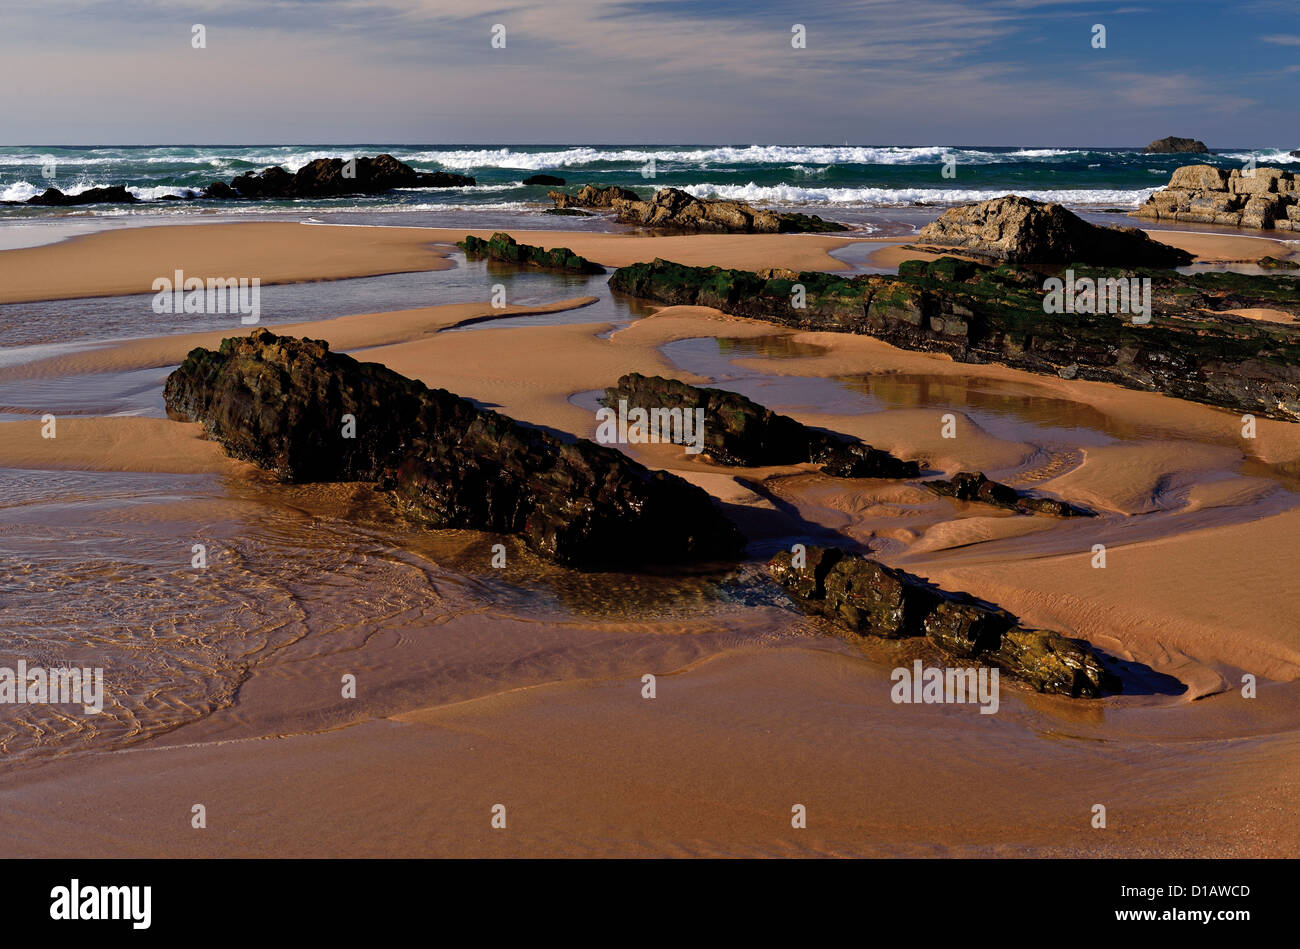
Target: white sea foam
pixel 876 197
pixel 748 154
pixel 1265 156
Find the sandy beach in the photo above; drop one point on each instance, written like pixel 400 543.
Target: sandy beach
pixel 471 696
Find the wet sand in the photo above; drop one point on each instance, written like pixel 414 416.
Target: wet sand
pixel 129 260
pixel 523 688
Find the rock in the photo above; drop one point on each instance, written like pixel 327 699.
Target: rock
pixel 1173 145
pixel 115 194
pixel 973 486
pixel 566 212
pixel 504 248
pixel 740 432
pixel 592 196
pixel 543 180
pixel 220 190
pixel 872 599
pixel 1203 194
pixel 1295 154
pixel 333 177
pixel 1276 263
pixel 1020 230
pixel 1192 349
pixel 281 402
pixel 676 209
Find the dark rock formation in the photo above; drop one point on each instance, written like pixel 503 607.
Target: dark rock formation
pixel 543 180
pixel 1277 263
pixel 1266 198
pixel 739 431
pixel 1296 154
pixel 333 177
pixel 1174 145
pixel 874 600
pixel 566 212
pixel 1022 231
pixel 675 209
pixel 976 313
pixel 281 403
pixel 112 195
pixel 504 248
pixel 973 486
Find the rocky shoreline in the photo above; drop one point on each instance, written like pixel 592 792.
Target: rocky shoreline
pixel 1261 198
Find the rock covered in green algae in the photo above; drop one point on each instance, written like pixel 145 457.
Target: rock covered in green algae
pixel 1191 349
pixel 504 248
pixel 871 599
pixel 739 431
pixel 282 403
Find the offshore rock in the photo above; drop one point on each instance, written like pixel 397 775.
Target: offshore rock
pixel 332 177
pixel 1173 145
pixel 672 208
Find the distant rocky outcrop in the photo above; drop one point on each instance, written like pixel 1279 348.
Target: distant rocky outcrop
pixel 1191 348
pixel 1023 231
pixel 1296 154
pixel 1175 145
pixel 334 177
pixel 871 599
pixel 672 208
pixel 974 486
pixel 543 180
pixel 739 431
pixel 1267 198
pixel 284 404
pixel 53 197
pixel 504 248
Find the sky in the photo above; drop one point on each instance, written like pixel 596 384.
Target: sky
pixel 959 72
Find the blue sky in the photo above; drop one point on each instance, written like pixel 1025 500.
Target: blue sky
pixel 979 72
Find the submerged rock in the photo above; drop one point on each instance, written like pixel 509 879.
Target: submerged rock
pixel 975 313
pixel 1022 231
pixel 1173 145
pixel 871 599
pixel 543 180
pixel 740 432
pixel 1262 198
pixel 504 248
pixel 973 486
pixel 675 209
pixel 286 405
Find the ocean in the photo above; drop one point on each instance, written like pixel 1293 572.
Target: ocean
pixel 859 183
